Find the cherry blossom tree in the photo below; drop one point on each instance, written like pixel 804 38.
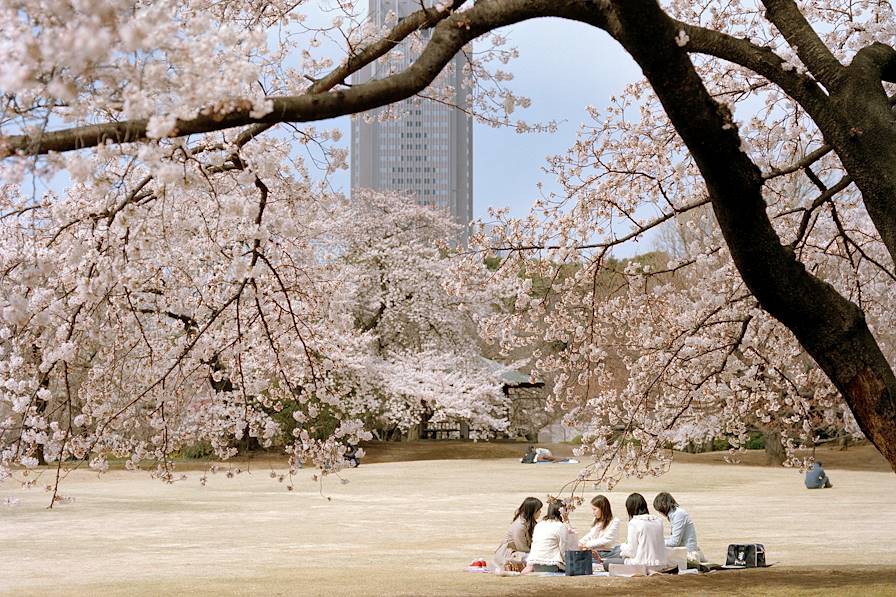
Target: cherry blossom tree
pixel 398 283
pixel 197 313
pixel 743 107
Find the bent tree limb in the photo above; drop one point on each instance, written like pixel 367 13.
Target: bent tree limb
pixel 831 328
pixel 450 35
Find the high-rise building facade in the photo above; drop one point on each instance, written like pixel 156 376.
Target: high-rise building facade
pixel 428 151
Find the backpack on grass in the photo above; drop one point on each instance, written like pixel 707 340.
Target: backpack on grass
pixel 749 555
pixel 578 562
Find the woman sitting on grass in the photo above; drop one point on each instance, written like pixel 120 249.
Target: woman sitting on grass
pixel 645 545
pixel 550 539
pixel 512 553
pixel 603 538
pixel 684 533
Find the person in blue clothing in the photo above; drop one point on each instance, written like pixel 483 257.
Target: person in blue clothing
pixel 816 478
pixel 684 533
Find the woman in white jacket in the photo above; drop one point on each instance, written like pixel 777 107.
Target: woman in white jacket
pixel 645 545
pixel 603 538
pixel 550 540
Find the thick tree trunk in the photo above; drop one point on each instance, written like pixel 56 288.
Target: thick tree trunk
pixel 831 328
pixel 774 449
pixel 864 137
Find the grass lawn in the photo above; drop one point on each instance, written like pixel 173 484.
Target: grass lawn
pixel 408 527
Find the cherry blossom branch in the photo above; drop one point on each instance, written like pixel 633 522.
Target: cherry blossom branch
pixel 826 195
pixel 731 348
pixel 68 430
pixel 830 327
pixel 638 231
pixel 317 104
pixel 761 60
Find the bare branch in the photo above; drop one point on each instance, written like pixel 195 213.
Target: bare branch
pixel 807 160
pixel 638 231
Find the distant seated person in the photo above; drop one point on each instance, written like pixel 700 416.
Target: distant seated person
pixel 529 456
pixel 534 455
pixel 353 454
pixel 816 478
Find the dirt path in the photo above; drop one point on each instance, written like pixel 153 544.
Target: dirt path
pixel 409 528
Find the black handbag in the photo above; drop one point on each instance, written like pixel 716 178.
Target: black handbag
pixel 578 562
pixel 750 555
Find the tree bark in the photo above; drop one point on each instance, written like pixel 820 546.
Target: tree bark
pixel 774 449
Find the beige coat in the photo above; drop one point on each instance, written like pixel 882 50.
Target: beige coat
pixel 515 546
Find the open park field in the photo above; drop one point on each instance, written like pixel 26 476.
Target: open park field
pixel 409 528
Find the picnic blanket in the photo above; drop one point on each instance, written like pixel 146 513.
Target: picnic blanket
pixel 564 461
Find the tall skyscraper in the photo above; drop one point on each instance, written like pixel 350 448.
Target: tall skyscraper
pixel 428 152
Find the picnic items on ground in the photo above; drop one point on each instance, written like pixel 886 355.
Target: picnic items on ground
pixel 628 570
pixel 578 562
pixel 679 556
pixel 748 555
pixel 478 566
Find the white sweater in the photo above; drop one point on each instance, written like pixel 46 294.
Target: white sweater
pixel 550 539
pixel 645 544
pixel 602 537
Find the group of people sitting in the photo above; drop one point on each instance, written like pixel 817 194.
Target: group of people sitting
pixel 537 543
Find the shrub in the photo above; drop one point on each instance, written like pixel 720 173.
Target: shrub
pixel 196 451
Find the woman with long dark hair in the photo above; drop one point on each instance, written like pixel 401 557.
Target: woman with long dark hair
pixel 550 540
pixel 684 533
pixel 514 549
pixel 644 545
pixel 603 538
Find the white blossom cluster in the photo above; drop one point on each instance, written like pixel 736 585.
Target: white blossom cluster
pixel 170 302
